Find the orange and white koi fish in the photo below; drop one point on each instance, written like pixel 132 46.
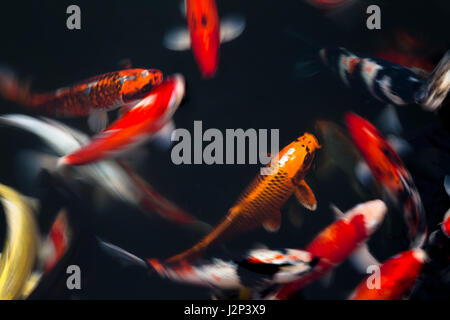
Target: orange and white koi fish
pixel 135 127
pixel 91 98
pixel 389 170
pixel 337 242
pixel 205 34
pixel 259 269
pixel 397 276
pixel 261 202
pixel 113 177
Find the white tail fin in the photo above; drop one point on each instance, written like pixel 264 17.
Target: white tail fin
pixel 434 91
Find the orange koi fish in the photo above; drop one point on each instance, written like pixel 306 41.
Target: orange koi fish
pixel 389 170
pixel 205 34
pixel 337 242
pixel 261 202
pixel 397 276
pixel 91 98
pixel 135 127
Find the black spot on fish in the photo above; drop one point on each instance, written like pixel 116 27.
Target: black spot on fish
pixel 204 20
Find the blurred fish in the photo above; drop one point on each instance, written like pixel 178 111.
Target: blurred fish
pixel 205 34
pixel 397 276
pixel 340 153
pixel 57 241
pixel 389 170
pixel 381 79
pixel 259 269
pixel 91 98
pixel 135 127
pixel 336 243
pixel 388 82
pixel 419 65
pixel 261 202
pixel 20 249
pixel 113 177
pixel 407 48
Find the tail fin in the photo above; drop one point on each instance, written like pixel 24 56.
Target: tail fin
pixel 309 63
pixel 12 89
pixel 434 91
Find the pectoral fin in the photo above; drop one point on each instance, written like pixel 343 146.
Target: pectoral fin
pixel 98 120
pixel 178 40
pixel 231 28
pixel 273 223
pixel 305 196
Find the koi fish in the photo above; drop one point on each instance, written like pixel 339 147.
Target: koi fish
pixel 388 82
pixel 389 170
pixel 261 202
pixel 115 178
pixel 135 127
pixel 337 242
pixel 397 276
pixel 20 248
pixel 259 268
pixel 91 98
pixel 205 34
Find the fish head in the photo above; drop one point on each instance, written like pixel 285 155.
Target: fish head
pixel 383 161
pixel 373 212
pixel 139 83
pixel 297 157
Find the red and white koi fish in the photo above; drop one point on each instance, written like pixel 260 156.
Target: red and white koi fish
pixel 397 276
pixel 337 242
pixel 205 34
pixel 91 98
pixel 135 127
pixel 57 242
pixel 389 170
pixel 260 268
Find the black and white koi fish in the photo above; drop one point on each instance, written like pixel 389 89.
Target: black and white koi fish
pixel 388 82
pixel 260 268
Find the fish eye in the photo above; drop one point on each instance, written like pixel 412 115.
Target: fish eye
pixel 308 159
